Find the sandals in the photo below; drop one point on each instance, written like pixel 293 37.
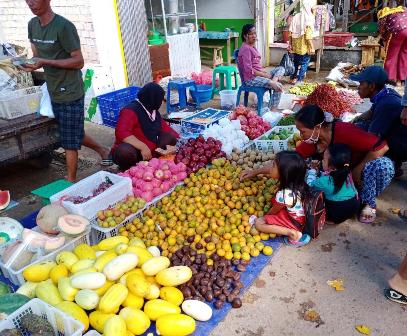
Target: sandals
pixel 368 215
pixel 395 296
pixel 304 240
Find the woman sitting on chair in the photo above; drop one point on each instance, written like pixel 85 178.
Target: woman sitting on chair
pixel 251 71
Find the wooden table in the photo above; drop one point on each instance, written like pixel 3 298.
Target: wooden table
pixel 228 36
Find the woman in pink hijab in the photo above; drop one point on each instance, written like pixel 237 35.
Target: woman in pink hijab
pixel 301 30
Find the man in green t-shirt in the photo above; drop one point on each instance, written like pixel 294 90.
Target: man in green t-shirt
pixel 56 48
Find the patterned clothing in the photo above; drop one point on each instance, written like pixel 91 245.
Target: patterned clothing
pixel 293 204
pixel 393 23
pixel 303 45
pixel 376 177
pixel 265 82
pixel 71 123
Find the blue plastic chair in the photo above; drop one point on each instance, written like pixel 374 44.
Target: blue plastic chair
pixel 181 86
pixel 259 91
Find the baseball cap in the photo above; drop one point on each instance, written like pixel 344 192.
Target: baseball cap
pixel 372 74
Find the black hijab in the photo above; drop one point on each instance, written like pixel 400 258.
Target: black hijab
pixel 151 97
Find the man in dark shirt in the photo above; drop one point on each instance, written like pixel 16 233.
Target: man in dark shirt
pixel 384 117
pixel 56 48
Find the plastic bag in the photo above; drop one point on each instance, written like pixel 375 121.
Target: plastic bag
pixel 46 106
pixel 288 64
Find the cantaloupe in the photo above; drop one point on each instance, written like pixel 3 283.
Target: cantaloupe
pixel 47 218
pixel 72 224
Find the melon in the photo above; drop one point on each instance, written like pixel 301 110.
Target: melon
pixel 72 224
pixel 47 218
pixel 4 199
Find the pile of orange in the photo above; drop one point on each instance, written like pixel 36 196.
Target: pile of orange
pixel 210 212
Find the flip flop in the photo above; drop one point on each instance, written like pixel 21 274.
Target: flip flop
pixel 368 215
pixel 304 240
pixel 395 296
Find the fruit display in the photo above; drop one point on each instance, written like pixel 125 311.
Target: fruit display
pixel 81 199
pixel 295 141
pixel 217 281
pixel 252 124
pixel 329 100
pixel 210 213
pixel 303 89
pixel 281 134
pixel 116 287
pixel 250 158
pixel 197 153
pixel 113 216
pixel 287 121
pixel 350 96
pixel 229 133
pixel 156 177
pixel 4 199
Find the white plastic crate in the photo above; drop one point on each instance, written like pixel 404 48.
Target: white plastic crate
pixel 120 189
pixel 16 276
pixel 274 146
pixel 20 102
pixel 98 233
pixel 63 324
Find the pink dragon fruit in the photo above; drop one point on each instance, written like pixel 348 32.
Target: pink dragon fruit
pixel 156 183
pixel 148 175
pixel 181 176
pixel 132 170
pixel 147 196
pixel 147 187
pixel 154 163
pixel 165 186
pixel 167 174
pixel 157 192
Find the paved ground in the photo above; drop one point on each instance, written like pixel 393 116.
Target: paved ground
pixel 364 256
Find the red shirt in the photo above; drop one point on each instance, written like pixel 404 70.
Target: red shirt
pixel 128 124
pixel 359 141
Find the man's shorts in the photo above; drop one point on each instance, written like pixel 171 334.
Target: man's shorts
pixel 71 123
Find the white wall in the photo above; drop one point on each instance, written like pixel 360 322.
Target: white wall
pixel 225 9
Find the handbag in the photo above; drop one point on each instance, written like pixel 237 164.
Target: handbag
pixel 288 64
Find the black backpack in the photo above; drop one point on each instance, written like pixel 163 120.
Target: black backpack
pixel 315 213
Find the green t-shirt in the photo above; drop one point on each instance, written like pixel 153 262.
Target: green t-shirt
pixel 56 41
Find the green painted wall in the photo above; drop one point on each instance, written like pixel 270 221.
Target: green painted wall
pixel 220 25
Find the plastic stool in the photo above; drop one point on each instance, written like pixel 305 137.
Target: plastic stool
pixel 224 71
pixel 259 91
pixel 181 85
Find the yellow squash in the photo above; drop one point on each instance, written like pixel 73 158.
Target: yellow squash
pixel 113 298
pixel 137 284
pixel 98 319
pixel 137 321
pixel 38 272
pixel 157 308
pixel 174 276
pixel 67 258
pixel 102 290
pixel 123 279
pixel 112 242
pixel 154 265
pixel 175 325
pixel 72 309
pixel 28 289
pixel 84 251
pixel 104 259
pixel 115 326
pixel 172 294
pixel 66 290
pixel 82 265
pixel 133 301
pixel 58 272
pixel 48 292
pixel 142 253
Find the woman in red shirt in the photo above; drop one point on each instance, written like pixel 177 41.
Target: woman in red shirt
pixel 372 172
pixel 140 129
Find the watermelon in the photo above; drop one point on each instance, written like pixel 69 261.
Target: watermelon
pixel 4 199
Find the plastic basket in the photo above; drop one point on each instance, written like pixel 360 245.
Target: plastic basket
pixel 337 39
pixel 120 189
pixel 16 276
pixel 274 146
pixel 19 103
pixel 203 93
pixel 98 233
pixel 62 323
pixel 111 103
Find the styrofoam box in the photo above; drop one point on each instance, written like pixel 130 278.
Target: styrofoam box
pixel 120 189
pixel 16 276
pixel 99 233
pixel 274 146
pixel 63 324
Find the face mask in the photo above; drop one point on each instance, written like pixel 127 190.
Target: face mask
pixel 311 140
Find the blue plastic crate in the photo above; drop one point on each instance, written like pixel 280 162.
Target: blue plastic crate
pixel 111 103
pixel 200 121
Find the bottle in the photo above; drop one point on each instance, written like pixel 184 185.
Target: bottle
pixel 203 26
